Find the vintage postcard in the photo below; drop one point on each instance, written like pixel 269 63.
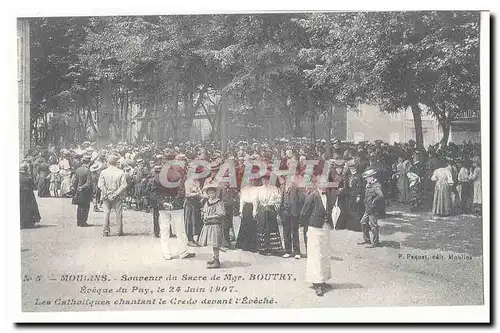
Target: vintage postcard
pixel 254 161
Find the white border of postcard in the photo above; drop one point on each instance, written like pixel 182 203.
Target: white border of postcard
pixel 9 200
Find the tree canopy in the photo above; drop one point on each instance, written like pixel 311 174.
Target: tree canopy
pixel 89 71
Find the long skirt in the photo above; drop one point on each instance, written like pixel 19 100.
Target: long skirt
pixel 415 195
pixel 268 231
pixel 344 216
pixel 464 190
pixel 403 188
pixel 355 211
pixel 173 247
pixel 28 209
pixel 442 198
pixel 247 239
pixel 43 186
pixel 428 189
pixel 192 216
pixel 66 186
pixel 478 192
pixel 318 267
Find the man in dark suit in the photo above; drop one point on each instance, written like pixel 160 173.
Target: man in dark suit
pixel 82 187
pixel 154 199
pixel 291 206
pixel 317 215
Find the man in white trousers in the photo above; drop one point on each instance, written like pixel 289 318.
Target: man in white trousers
pixel 173 247
pixel 316 214
pixel 171 221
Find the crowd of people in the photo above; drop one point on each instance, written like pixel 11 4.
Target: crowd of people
pixel 363 178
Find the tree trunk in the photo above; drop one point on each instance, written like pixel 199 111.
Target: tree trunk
pixel 144 123
pixel 175 101
pixel 313 127
pixel 218 121
pixel 210 120
pixel 446 127
pixel 310 108
pixel 104 134
pixel 225 125
pixel 417 121
pixel 91 120
pixel 157 126
pixel 125 116
pixel 329 123
pixel 80 129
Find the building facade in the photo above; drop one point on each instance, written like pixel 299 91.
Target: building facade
pixel 23 81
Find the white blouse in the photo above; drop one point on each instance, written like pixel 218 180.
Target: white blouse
pixel 442 174
pixel 192 188
pixel 266 196
pixel 247 195
pixel 463 175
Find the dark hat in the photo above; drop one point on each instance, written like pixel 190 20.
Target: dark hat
pixel 338 163
pixel 23 167
pixel 215 165
pixel 267 174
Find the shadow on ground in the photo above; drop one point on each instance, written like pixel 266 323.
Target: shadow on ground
pixel 392 244
pixel 233 264
pixel 334 286
pixel 339 286
pixel 40 226
pixel 126 234
pixel 459 233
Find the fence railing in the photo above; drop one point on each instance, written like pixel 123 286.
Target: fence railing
pixel 469 114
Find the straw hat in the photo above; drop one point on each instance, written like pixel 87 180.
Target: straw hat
pixel 352 164
pixel 54 168
pixel 369 173
pixel 209 186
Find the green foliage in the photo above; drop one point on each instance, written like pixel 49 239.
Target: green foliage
pixel 261 63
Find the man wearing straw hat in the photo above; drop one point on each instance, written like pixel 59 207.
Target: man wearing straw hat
pixel 374 200
pixel 113 184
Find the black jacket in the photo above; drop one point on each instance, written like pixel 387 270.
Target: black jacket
pixel 292 201
pixel 82 182
pixel 314 213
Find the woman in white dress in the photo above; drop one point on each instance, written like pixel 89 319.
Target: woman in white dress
pixel 476 179
pixel 442 204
